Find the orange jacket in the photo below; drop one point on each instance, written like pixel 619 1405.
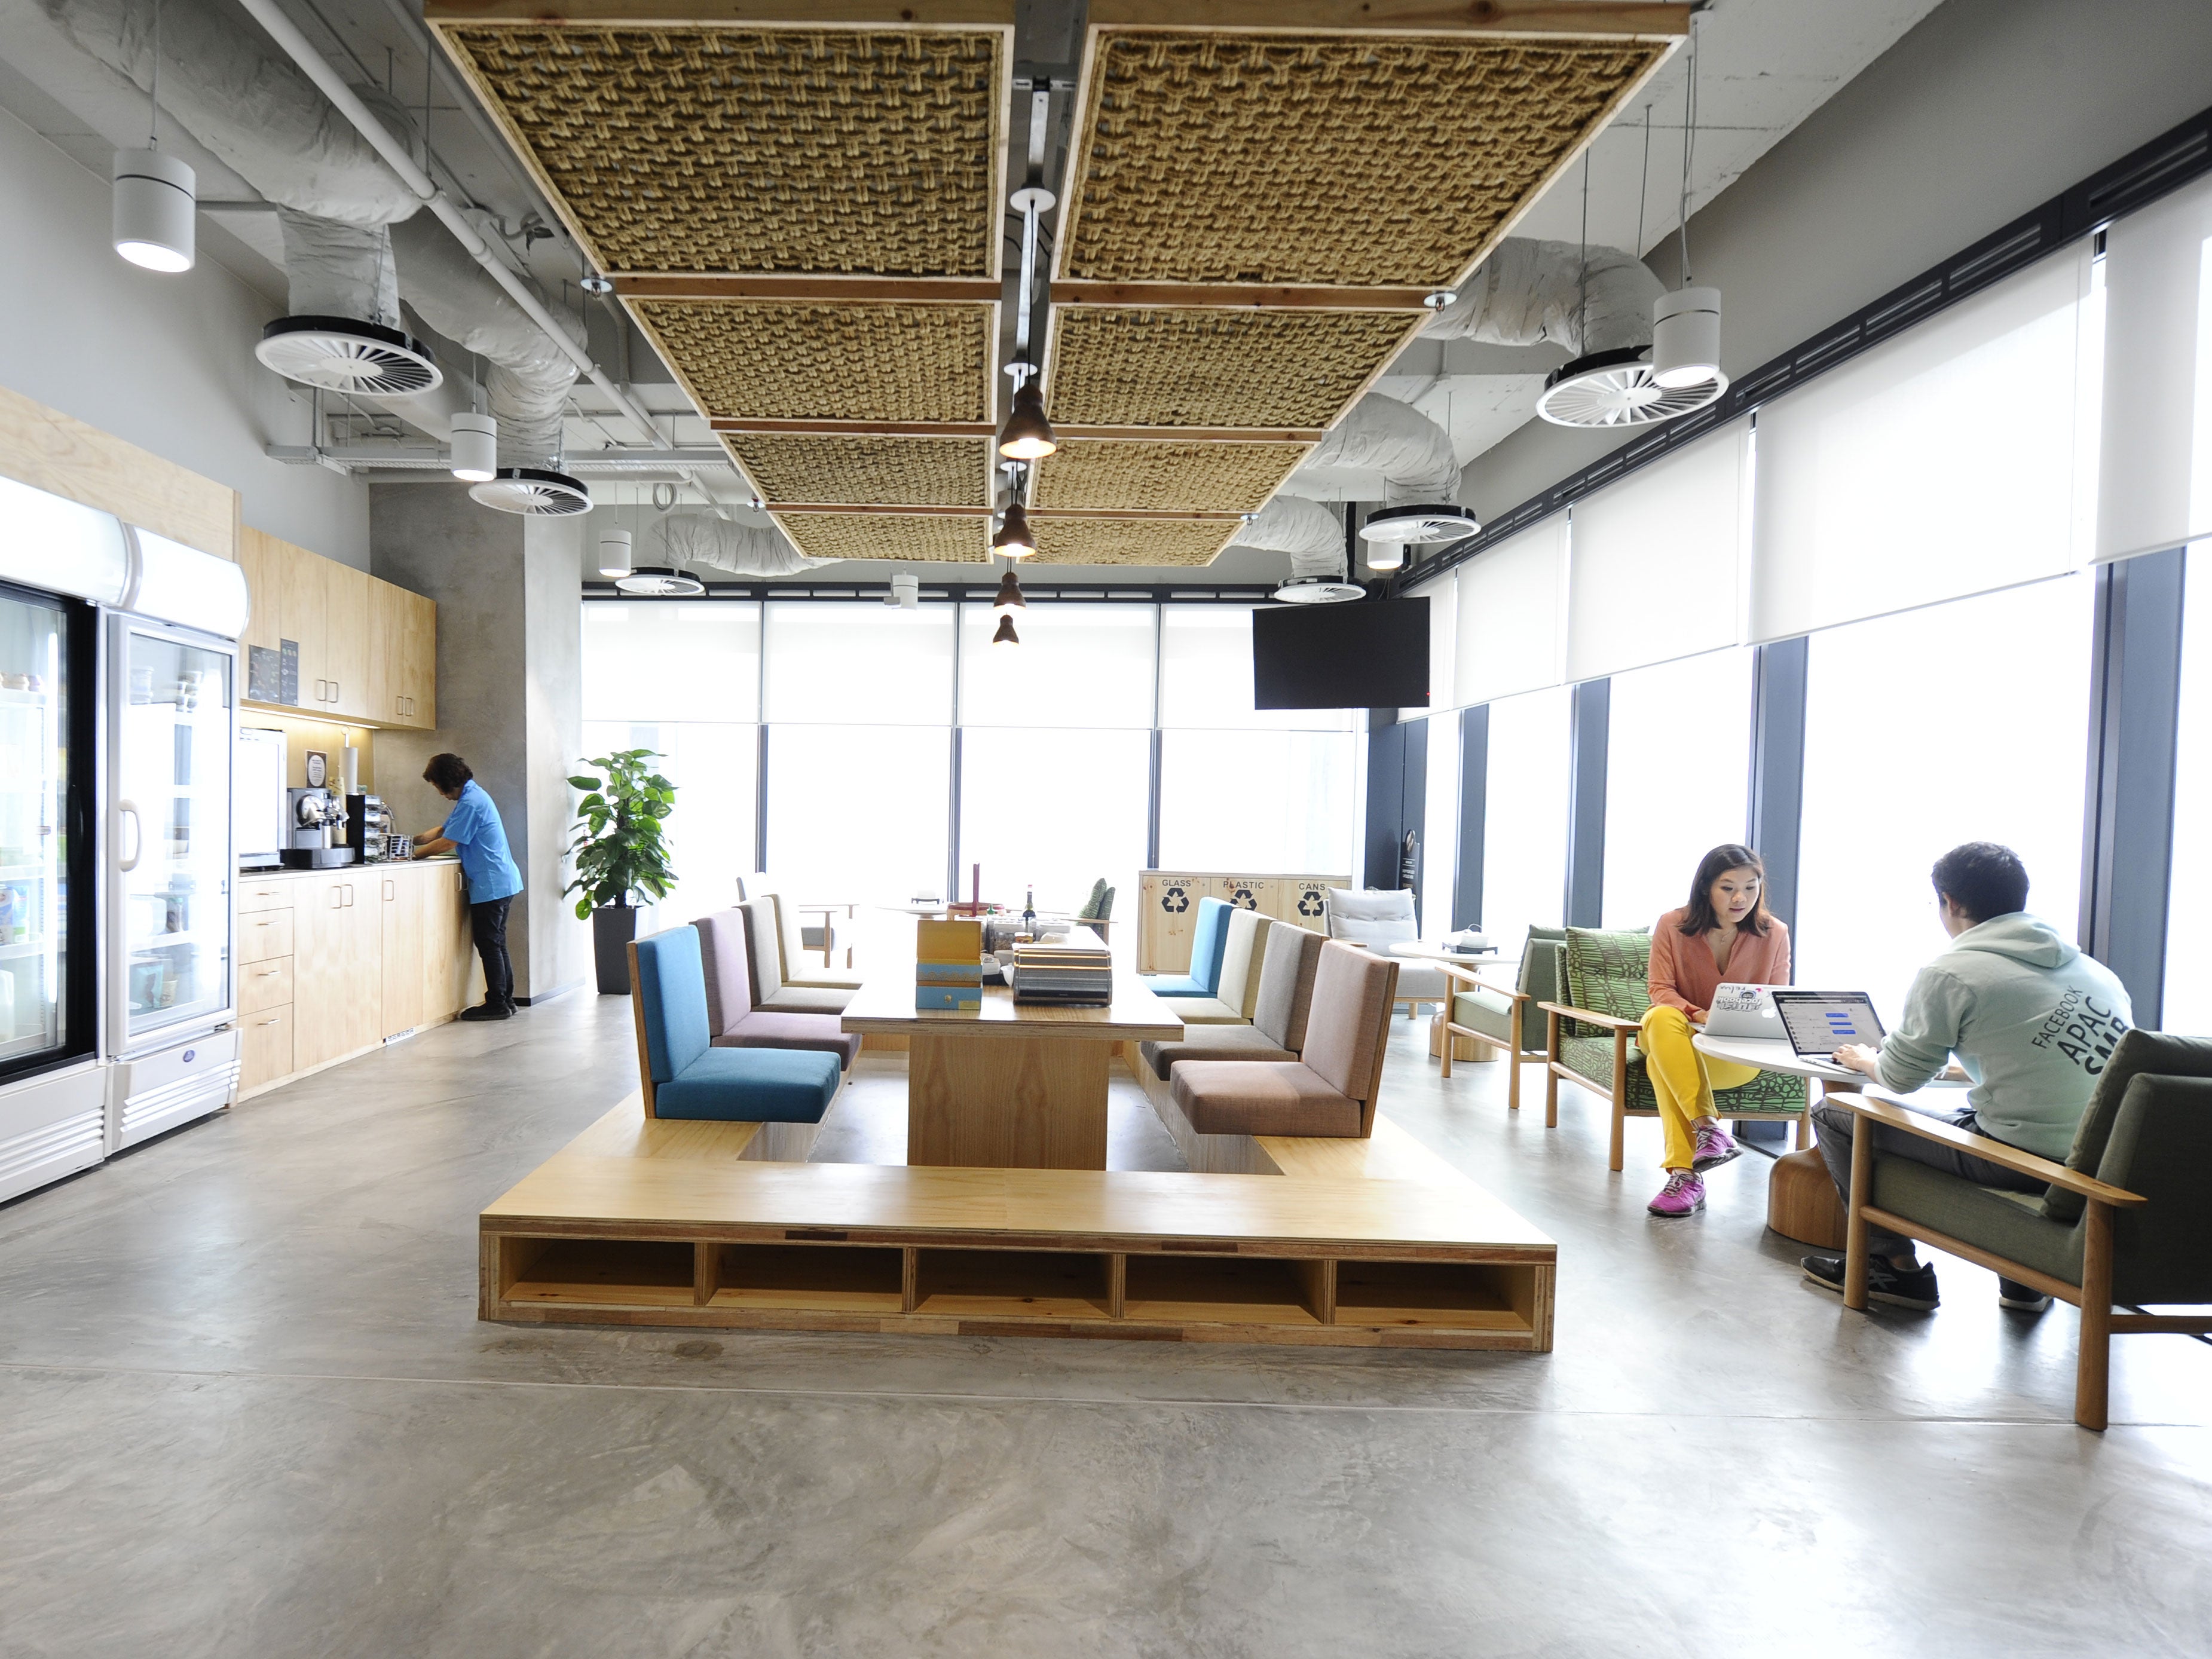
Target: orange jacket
pixel 1682 972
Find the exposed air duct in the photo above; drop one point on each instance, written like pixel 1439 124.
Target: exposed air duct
pixel 1411 452
pixel 739 550
pixel 1529 293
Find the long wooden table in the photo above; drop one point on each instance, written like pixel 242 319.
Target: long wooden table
pixel 1014 1086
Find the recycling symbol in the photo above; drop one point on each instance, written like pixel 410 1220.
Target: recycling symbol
pixel 1309 902
pixel 1176 900
pixel 1243 899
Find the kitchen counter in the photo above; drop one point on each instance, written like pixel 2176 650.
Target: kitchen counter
pixel 442 861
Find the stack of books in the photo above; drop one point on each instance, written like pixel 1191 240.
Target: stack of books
pixel 1070 975
pixel 948 968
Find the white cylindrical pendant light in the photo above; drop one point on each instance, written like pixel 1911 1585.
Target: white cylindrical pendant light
pixel 1685 339
pixel 153 209
pixel 614 553
pixel 475 447
pixel 1385 556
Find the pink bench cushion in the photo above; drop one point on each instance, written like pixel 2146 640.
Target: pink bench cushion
pixel 770 1029
pixel 1261 1098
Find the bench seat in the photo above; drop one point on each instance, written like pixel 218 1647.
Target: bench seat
pixel 1238 1043
pixel 750 1086
pixel 732 1020
pixel 1262 1098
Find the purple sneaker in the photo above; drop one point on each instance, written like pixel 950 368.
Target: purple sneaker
pixel 1716 1146
pixel 1684 1194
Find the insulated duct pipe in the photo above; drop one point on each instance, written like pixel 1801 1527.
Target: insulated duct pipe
pixel 1527 293
pixel 740 549
pixel 1309 532
pixel 1412 454
pixel 313 64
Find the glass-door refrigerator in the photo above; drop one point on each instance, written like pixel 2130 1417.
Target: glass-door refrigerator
pixel 172 726
pixel 56 558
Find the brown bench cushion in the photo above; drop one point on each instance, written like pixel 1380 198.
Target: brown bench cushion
pixel 769 1029
pixel 1214 1042
pixel 1244 1097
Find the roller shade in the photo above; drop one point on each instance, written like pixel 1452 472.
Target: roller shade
pixel 1659 560
pixel 1959 458
pixel 1509 633
pixel 1443 595
pixel 2157 443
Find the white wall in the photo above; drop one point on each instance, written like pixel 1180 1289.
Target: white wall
pixel 166 362
pixel 1986 110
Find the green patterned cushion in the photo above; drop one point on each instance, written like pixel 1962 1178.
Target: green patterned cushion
pixel 1608 974
pixel 1769 1094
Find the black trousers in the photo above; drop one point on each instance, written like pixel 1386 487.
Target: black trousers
pixel 1834 1127
pixel 488 927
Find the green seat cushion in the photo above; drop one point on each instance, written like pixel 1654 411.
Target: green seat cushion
pixel 1485 1012
pixel 2009 1225
pixel 2137 1054
pixel 1771 1094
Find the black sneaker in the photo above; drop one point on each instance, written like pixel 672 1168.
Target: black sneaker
pixel 1901 1288
pixel 2011 1293
pixel 489 1011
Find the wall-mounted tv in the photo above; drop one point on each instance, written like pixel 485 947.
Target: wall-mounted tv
pixel 1370 654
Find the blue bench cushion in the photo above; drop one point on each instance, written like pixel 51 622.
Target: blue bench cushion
pixel 1176 985
pixel 752 1086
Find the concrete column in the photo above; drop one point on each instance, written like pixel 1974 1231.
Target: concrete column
pixel 509 695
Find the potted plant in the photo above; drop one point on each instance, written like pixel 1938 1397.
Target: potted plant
pixel 620 855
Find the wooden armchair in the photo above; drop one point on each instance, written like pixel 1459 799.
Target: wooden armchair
pixel 1506 1019
pixel 2138 1231
pixel 1607 977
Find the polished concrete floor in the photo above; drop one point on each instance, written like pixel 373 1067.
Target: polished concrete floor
pixel 246 1409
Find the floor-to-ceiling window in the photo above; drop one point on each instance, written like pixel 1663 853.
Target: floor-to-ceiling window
pixel 2188 999
pixel 1524 825
pixel 1678 774
pixel 859 707
pixel 683 678
pixel 1241 788
pixel 1055 751
pixel 1966 722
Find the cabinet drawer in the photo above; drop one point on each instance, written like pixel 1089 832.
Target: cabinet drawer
pixel 263 895
pixel 264 985
pixel 264 1046
pixel 261 935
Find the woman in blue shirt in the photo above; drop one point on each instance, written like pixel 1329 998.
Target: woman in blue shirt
pixel 472 829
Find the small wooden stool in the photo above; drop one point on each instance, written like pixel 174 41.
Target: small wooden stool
pixel 1463 1047
pixel 1802 1202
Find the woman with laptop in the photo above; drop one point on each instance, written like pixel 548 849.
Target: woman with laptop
pixel 1722 935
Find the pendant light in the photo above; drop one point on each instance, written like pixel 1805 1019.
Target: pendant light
pixel 614 554
pixel 474 448
pixel 1386 555
pixel 155 199
pixel 1006 635
pixel 1010 597
pixel 1686 325
pixel 1014 538
pixel 1027 435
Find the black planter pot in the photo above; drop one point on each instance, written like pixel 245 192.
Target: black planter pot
pixel 613 927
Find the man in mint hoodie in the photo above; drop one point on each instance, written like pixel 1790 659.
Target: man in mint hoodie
pixel 2033 1021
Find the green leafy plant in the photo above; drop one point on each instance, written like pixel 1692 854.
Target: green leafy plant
pixel 619 845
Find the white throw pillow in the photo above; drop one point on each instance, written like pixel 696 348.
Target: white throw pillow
pixel 1371 916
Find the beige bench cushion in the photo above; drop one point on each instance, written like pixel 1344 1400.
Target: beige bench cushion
pixel 1262 1097
pixel 1205 1010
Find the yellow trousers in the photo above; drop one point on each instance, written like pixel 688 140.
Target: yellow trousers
pixel 1683 1078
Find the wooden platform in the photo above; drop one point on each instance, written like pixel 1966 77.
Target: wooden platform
pixel 675 1223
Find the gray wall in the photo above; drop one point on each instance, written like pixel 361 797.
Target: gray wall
pixel 508 693
pixel 1987 109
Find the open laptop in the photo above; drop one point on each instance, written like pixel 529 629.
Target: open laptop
pixel 1818 1022
pixel 1743 1012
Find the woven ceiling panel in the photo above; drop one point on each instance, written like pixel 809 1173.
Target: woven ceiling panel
pixel 686 148
pixel 1152 366
pixel 779 360
pixel 1165 477
pixel 1130 541
pixel 1226 157
pixel 865 471
pixel 931 538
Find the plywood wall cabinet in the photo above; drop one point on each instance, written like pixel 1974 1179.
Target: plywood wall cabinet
pixel 1167 903
pixel 65 456
pixel 369 651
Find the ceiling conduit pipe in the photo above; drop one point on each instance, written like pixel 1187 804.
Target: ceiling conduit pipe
pixel 313 64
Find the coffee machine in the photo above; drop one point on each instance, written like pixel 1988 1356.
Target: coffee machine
pixel 314 830
pixel 369 830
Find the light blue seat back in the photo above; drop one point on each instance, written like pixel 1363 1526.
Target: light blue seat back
pixel 1209 943
pixel 671 1000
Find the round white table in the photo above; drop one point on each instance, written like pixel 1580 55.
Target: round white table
pixel 1444 1045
